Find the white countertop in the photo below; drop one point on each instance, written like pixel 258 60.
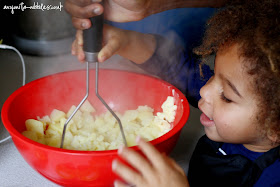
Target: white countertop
pixel 14 171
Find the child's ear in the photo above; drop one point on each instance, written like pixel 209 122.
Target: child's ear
pixel 272 136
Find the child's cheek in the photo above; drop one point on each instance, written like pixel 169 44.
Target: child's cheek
pixel 223 124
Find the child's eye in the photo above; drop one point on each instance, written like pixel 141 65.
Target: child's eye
pixel 224 98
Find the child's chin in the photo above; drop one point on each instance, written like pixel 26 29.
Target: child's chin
pixel 212 136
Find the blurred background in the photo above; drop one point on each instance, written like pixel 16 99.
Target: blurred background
pixel 37 32
pixel 45 37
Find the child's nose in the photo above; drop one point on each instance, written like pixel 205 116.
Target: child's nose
pixel 205 91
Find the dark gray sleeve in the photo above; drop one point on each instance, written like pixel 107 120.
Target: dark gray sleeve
pixel 180 68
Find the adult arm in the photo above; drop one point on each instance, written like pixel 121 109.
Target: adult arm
pixel 127 10
pixel 163 5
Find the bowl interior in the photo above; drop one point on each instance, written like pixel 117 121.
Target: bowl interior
pixel 120 89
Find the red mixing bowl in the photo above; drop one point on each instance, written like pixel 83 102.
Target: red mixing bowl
pixel 120 89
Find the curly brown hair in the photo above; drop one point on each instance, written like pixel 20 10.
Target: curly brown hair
pixel 255 26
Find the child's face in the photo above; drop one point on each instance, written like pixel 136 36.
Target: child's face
pixel 228 104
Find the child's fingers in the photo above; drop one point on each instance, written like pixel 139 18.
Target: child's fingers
pixel 126 173
pixel 80 23
pixel 110 48
pixel 174 165
pixel 77 46
pixel 151 153
pixel 79 37
pixel 73 49
pixel 118 183
pixel 137 161
pixel 113 39
pixel 81 54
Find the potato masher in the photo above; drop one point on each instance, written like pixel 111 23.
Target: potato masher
pixel 92 45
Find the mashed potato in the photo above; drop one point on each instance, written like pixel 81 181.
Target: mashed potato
pixel 87 131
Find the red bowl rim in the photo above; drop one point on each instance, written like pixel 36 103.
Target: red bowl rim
pixel 15 134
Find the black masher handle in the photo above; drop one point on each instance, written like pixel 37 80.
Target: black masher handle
pixel 92 37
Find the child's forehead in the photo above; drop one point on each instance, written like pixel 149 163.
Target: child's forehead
pixel 229 65
pixel 231 55
pixel 228 57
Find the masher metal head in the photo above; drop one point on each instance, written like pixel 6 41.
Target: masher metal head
pixel 92 45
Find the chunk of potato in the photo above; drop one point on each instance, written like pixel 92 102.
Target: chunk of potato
pixel 35 126
pixel 87 107
pixel 56 115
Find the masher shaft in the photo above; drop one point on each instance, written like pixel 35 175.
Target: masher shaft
pixel 77 108
pixel 105 104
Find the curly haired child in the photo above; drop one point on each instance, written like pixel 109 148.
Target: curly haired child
pixel 240 103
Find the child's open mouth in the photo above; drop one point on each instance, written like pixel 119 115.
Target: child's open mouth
pixel 206 121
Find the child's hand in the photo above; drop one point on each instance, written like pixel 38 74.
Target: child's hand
pixel 134 46
pixel 156 170
pixel 114 40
